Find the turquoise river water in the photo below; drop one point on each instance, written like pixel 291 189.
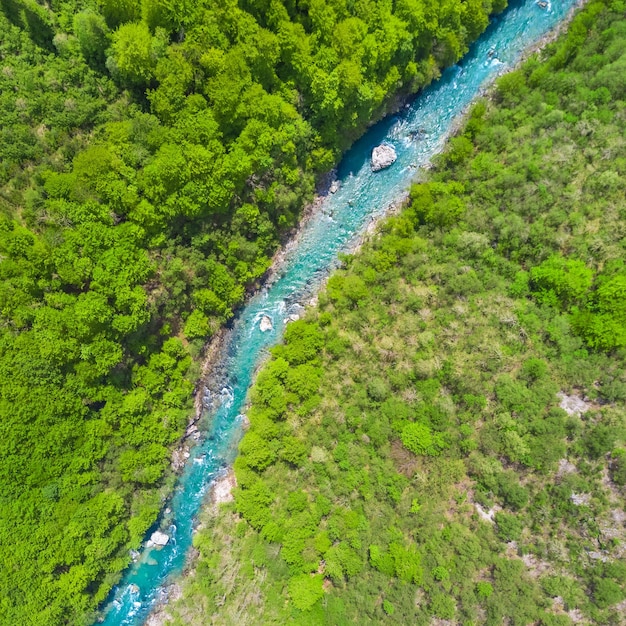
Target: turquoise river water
pixel 417 133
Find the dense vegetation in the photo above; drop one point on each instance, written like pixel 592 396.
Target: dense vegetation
pixel 409 456
pixel 152 154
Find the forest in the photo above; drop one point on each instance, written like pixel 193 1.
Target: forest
pixel 153 156
pixel 442 438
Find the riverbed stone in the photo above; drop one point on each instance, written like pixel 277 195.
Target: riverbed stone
pixel 383 156
pixel 266 324
pixel 159 539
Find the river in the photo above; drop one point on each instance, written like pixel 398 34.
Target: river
pixel 418 132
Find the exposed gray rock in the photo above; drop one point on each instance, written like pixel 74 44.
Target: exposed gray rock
pixel 572 405
pixel 487 516
pixel 245 422
pixel 179 457
pixel 222 490
pixel 383 156
pixel 580 499
pixel 565 467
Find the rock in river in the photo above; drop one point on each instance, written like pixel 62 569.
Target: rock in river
pixel 159 539
pixel 383 156
pixel 266 324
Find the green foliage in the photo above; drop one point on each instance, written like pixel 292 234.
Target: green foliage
pixel 534 369
pixel 509 526
pixel 603 322
pixel 442 606
pixel 93 36
pixel 135 221
pixel 484 589
pixel 618 467
pixel 437 204
pixel 350 291
pixel 559 280
pixel 388 607
pixel 117 12
pixel 135 52
pixel 419 439
pixel 306 590
pixel 197 325
pixel 440 573
pixel 606 593
pixel 166 14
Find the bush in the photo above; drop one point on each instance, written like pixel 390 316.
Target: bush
pixel 599 440
pixel 388 608
pixel 618 467
pixel 305 590
pixel 509 528
pixel 484 590
pixel 419 439
pixel 440 573
pixel 437 204
pixel 561 281
pixel 606 593
pixel 534 369
pixel 442 606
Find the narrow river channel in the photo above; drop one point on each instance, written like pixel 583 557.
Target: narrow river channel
pixel 417 133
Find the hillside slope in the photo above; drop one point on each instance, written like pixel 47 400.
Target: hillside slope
pixel 443 437
pixel 152 156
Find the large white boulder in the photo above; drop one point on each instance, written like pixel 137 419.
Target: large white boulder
pixel 383 156
pixel 159 539
pixel 266 324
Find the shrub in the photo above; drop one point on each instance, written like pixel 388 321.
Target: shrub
pixel 293 451
pixel 509 528
pixel 305 590
pixel 419 439
pixel 407 562
pixel 606 593
pixel 440 573
pixel 388 607
pixel 618 467
pixel 197 326
pixel 484 589
pixel 257 451
pixel 561 281
pixel 437 204
pixel 442 606
pixel 534 369
pixel 599 440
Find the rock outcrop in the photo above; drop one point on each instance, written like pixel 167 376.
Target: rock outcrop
pixel 179 457
pixel 222 490
pixel 383 156
pixel 573 405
